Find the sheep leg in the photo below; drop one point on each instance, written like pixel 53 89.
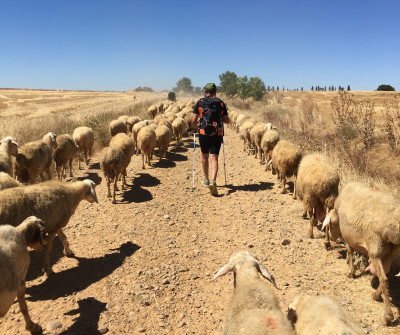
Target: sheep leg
pixel 59 175
pixel 46 266
pixel 149 160
pixel 115 188
pixel 64 240
pixel 311 226
pixel 70 168
pixel 350 252
pixel 143 161
pixel 294 189
pixel 29 325
pixel 48 173
pixel 79 159
pixel 108 187
pixel 86 157
pixel 283 179
pixel 261 156
pixel 383 290
pixel 123 181
pixel 327 241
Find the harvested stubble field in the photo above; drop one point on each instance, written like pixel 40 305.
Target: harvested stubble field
pixel 145 264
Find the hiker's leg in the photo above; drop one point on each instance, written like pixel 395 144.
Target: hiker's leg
pixel 214 166
pixel 204 163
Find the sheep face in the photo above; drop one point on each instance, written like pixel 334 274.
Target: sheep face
pixel 332 220
pixel 247 262
pixel 35 233
pixel 91 193
pixel 13 145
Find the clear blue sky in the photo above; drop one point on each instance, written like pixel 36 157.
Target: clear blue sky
pixel 120 45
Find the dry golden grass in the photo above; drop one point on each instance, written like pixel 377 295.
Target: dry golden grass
pixel 308 119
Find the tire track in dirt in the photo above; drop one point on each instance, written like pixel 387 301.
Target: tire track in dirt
pixel 145 264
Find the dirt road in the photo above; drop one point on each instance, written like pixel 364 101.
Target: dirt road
pixel 145 264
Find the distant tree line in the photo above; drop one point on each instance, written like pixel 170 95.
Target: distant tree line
pixel 143 89
pixel 185 85
pixel 384 87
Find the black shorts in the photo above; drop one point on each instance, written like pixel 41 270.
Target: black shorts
pixel 210 144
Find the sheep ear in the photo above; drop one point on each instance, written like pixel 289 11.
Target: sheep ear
pixel 292 316
pixel 327 221
pixel 266 274
pixel 224 270
pixel 92 189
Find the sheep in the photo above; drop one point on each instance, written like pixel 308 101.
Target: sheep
pixel 369 221
pixel 152 111
pixel 123 118
pixel 313 315
pixel 256 134
pixel 127 145
pixel 254 308
pixel 268 142
pixel 163 138
pixel 53 201
pixel 286 158
pixel 35 157
pixel 146 141
pixel 135 130
pixel 8 147
pixel 113 163
pixel 179 127
pixel 244 134
pixel 63 154
pixel 132 120
pixel 117 126
pixel 6 181
pixel 160 107
pixel 233 116
pixel 317 185
pixel 14 263
pixel 84 140
pixel 240 120
pixel 166 123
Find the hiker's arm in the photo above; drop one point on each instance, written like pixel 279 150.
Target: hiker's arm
pixel 194 120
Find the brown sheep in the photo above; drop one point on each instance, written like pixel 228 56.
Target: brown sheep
pixel 317 185
pixel 152 111
pixel 64 154
pixel 179 127
pixel 118 126
pixel 8 147
pixel 163 138
pixel 146 142
pixel 6 181
pixel 126 144
pixel 286 158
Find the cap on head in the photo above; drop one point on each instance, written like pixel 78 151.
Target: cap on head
pixel 210 87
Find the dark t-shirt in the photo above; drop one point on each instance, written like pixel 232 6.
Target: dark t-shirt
pixel 198 110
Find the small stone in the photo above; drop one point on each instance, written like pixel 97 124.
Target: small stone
pixel 53 325
pixel 103 329
pixel 166 216
pixel 370 330
pixel 285 241
pixel 166 282
pixel 181 324
pixel 108 306
pixel 325 279
pixel 141 330
pixel 194 276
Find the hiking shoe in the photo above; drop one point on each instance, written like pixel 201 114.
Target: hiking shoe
pixel 213 188
pixel 206 182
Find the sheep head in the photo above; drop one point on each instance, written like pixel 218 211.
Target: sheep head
pixel 13 148
pixel 244 261
pixel 332 220
pixel 51 139
pixel 34 232
pixel 91 196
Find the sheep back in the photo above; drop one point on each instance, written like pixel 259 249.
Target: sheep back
pixel 6 181
pixel 84 138
pixel 146 140
pixel 112 161
pixel 126 144
pixel 65 151
pixel 117 126
pixel 286 158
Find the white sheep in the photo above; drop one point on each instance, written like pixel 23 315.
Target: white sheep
pixel 317 185
pixel 84 139
pixel 135 130
pixel 8 147
pixel 254 308
pixel 6 181
pixel 315 315
pixel 36 157
pixel 285 159
pixel 127 145
pixel 256 134
pixel 369 221
pixel 118 126
pixel 163 138
pixel 113 164
pixel 146 141
pixel 53 201
pixel 244 134
pixel 268 142
pixel 179 127
pixel 14 263
pixel 64 154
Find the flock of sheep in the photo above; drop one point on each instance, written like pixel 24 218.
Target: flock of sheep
pixel 368 221
pixel 31 215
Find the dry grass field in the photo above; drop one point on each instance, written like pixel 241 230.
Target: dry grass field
pixel 145 264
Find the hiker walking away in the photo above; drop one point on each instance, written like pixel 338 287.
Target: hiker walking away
pixel 212 113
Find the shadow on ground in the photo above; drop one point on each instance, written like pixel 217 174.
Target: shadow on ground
pixel 136 192
pixel 89 311
pixel 250 187
pixel 87 272
pixel 92 176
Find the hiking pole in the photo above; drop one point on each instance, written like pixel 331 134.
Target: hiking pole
pixel 223 149
pixel 194 156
